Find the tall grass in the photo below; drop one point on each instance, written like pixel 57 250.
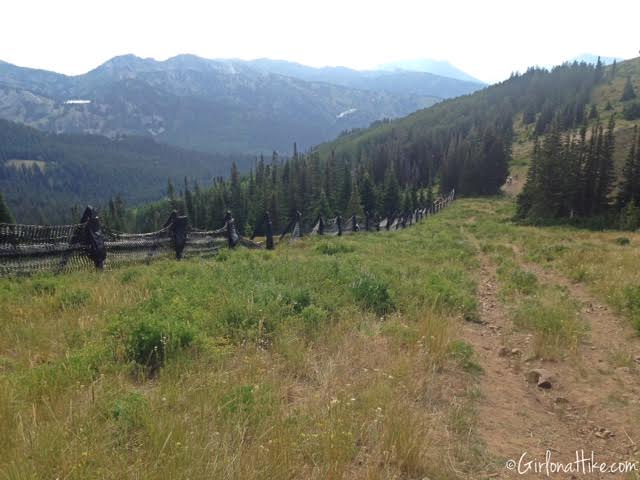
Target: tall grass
pixel 323 359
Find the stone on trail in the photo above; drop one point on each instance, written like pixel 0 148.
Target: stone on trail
pixel 541 378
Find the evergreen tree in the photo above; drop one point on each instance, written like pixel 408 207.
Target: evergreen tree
pixel 606 168
pixel 630 217
pixel 189 203
pixel 354 207
pixel 529 115
pixel 237 201
pixel 430 198
pixel 5 213
pixel 628 93
pixel 322 207
pixel 593 112
pixel 629 188
pixel 391 195
pixel 171 195
pixel 599 70
pixel 368 196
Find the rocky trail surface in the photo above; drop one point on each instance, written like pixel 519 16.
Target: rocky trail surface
pixel 587 401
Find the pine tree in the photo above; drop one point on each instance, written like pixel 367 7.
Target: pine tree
pixel 599 70
pixel 527 197
pixel 354 207
pixel 189 203
pixel 368 196
pixel 529 115
pixel 171 195
pixel 5 214
pixel 237 203
pixel 321 207
pixel 593 112
pixel 628 93
pixel 630 184
pixel 606 168
pixel 430 198
pixel 391 195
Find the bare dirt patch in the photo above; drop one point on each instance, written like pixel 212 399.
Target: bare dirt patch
pixel 592 403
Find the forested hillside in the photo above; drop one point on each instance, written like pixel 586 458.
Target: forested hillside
pixel 468 144
pixel 43 175
pixel 465 144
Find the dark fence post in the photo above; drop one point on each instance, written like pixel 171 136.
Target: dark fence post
pixel 268 227
pixel 366 221
pixel 320 223
pixel 178 227
pixel 339 223
pixel 94 237
pixel 232 233
pixel 299 222
pixel 354 224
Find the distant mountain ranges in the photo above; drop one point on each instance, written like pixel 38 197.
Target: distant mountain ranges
pixel 219 105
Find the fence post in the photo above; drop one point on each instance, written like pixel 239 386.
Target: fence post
pixel 320 222
pixel 232 233
pixel 299 222
pixel 268 227
pixel 178 228
pixel 339 223
pixel 354 224
pixel 94 237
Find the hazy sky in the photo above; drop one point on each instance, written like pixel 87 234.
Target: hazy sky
pixel 486 38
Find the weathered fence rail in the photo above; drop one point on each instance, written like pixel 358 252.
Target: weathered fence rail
pixel 28 249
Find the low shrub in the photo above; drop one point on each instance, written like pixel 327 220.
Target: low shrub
pixel 313 318
pixel 74 299
pixel 297 299
pixel 149 340
pixel 632 303
pixel 130 411
pixel 43 286
pixel 373 294
pixel 128 276
pixel 463 353
pixel 333 248
pixel 445 293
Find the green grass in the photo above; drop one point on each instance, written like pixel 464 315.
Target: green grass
pixel 326 358
pixel 314 360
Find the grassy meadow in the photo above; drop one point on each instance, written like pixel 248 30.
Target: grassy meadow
pixel 327 358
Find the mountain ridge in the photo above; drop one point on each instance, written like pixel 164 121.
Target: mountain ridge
pixel 428 65
pixel 215 105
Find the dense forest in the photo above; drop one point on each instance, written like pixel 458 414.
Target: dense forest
pixel 44 175
pixel 463 144
pixel 573 177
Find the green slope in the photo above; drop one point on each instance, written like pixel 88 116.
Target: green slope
pixel 457 114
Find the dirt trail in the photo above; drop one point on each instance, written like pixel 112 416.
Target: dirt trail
pixel 588 395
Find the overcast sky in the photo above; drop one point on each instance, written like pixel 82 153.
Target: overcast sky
pixel 486 38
